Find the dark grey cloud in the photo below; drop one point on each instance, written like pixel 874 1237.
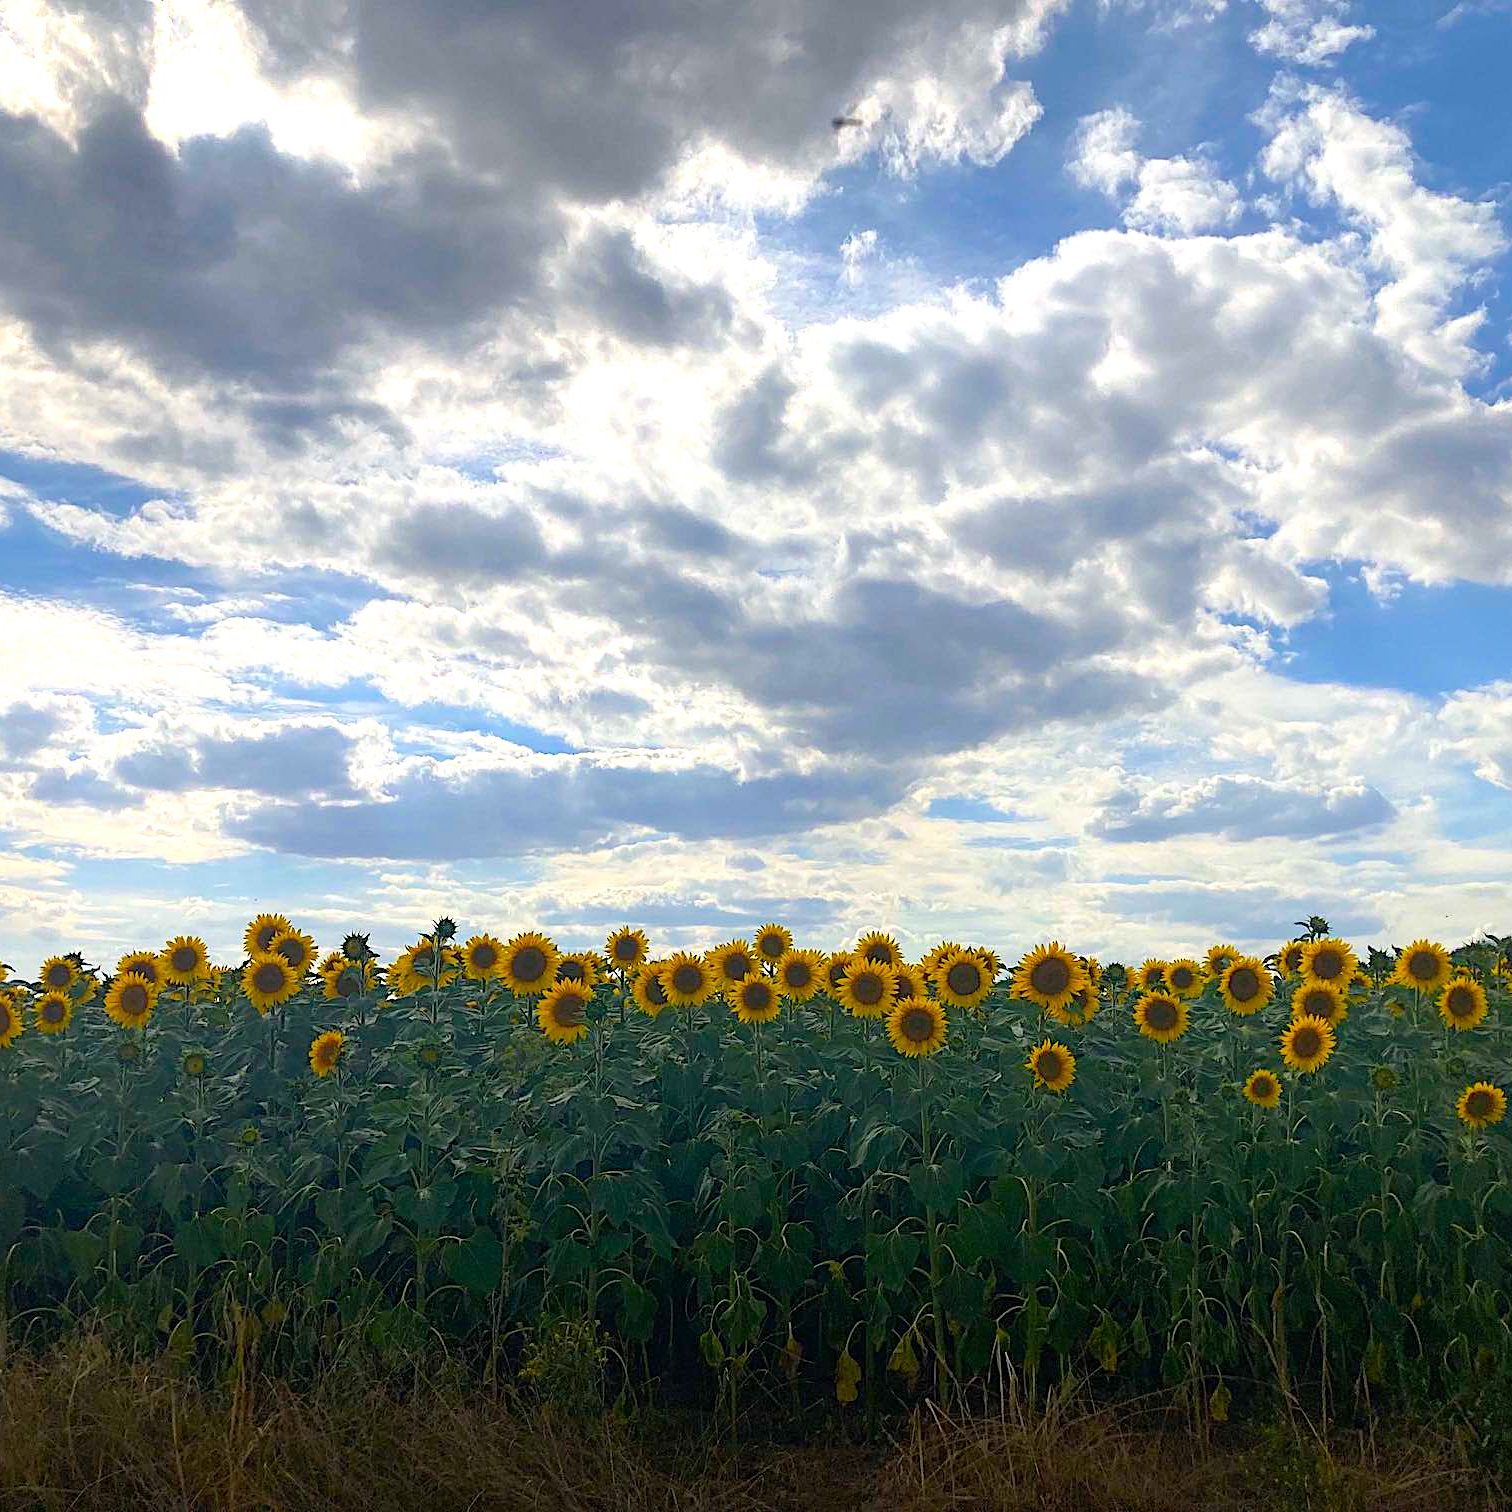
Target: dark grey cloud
pixel 58 785
pixel 569 804
pixel 461 543
pixel 25 729
pixel 287 763
pixel 1241 808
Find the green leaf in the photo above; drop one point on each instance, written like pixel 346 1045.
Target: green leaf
pixel 477 1262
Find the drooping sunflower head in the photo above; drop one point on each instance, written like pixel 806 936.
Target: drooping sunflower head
pixel 1482 1104
pixel 773 941
pixel 1289 957
pixel 296 947
pixel 962 981
pixel 261 932
pixel 1306 1043
pixel 800 973
pixel 580 966
pixel 1263 1089
pixel 754 1000
pixel 563 1013
pixel 130 1001
pixel 1246 986
pixel 1183 977
pixel 482 958
pixel 1329 960
pixel 1161 1017
pixel 269 981
pixel 647 989
pixel 184 960
pixel 1049 975
pixel 1462 1004
pixel 732 962
pixel 1220 958
pixel 1319 1000
pixel 52 1012
pixel 627 948
pixel 326 1050
pixel 866 989
pixel 142 963
pixel 58 974
pixel 879 948
pixel 529 964
pixel 11 1022
pixel 1053 1065
pixel 687 979
pixel 917 1027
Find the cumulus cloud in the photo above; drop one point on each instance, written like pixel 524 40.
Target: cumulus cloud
pixel 1240 808
pixel 1309 32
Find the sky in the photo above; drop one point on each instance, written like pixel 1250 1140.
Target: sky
pixel 525 463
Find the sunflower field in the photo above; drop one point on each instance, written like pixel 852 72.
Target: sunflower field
pixel 762 1177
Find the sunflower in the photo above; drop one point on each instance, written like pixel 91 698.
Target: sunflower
pixel 835 968
pixel 879 948
pixel 773 941
pixel 86 989
pixel 1263 1089
pixel 529 964
pixel 961 980
pixel 1081 1010
pixel 866 989
pixel 1319 1000
pixel 142 963
pixel 194 1063
pixel 992 962
pixel 1289 958
pixel 348 979
pixel 1183 978
pixel 1482 1104
pixel 325 1051
pixel 1462 1004
pixel 754 1000
pixel 799 972
pixel 687 980
pixel 1053 1065
pixel 184 960
pixel 58 973
pixel 647 989
pixel 917 1027
pixel 1328 960
pixel 908 981
pixel 330 961
pixel 262 931
pixel 1161 1017
pixel 627 948
pixel 1050 976
pixel 1307 1042
pixel 1246 986
pixel 937 953
pixel 1220 958
pixel 296 947
pixel 11 1022
pixel 1150 977
pixel 130 1001
pixel 731 962
pixel 482 958
pixel 563 1013
pixel 269 982
pixel 52 1012
pixel 417 968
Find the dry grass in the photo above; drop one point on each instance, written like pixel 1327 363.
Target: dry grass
pixel 82 1429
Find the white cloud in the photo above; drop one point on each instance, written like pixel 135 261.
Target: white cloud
pixel 1310 32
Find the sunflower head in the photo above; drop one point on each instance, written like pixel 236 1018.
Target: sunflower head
pixel 908 981
pixel 1161 1017
pixel 1263 1089
pixel 269 981
pixel 1050 976
pixel 345 978
pixel 195 1063
pixel 11 1023
pixel 1289 957
pixel 1482 1104
pixel 687 979
pixel 482 958
pixel 296 947
pixel 261 932
pixel 1319 1000
pixel 1220 958
pixel 1053 1065
pixel 1150 976
pixel 326 1050
pixel 800 973
pixel 866 989
pixel 1183 977
pixel 130 1001
pixel 835 968
pixel 580 966
pixel 184 959
pixel 879 948
pixel 647 989
pixel 917 1027
pixel 52 1012
pixel 937 953
pixel 732 962
pixel 1329 960
pixel 627 948
pixel 529 964
pixel 142 963
pixel 1307 1043
pixel 1081 1010
pixel 563 1013
pixel 754 1000
pixel 1245 986
pixel 1384 1079
pixel 772 942
pixel 1462 1004
pixel 58 974
pixel 961 980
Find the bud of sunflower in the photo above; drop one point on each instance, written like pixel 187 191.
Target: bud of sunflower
pixel 356 948
pixel 1383 1079
pixel 446 929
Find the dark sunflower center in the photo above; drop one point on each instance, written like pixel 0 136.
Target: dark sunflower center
pixel 58 975
pixel 965 977
pixel 349 983
pixel 737 967
pixel 917 1025
pixel 264 936
pixel 797 974
pixel 1051 976
pixel 1461 1002
pixel 758 996
pixel 1479 1104
pixel 143 966
pixel 185 958
pixel 1306 1042
pixel 687 978
pixel 866 988
pixel 485 956
pixel 655 991
pixel 291 950
pixel 1328 964
pixel 52 1012
pixel 1292 959
pixel 571 1011
pixel 835 973
pixel 1182 976
pixel 1244 983
pixel 1049 1065
pixel 1423 965
pixel 625 948
pixel 771 946
pixel 571 971
pixel 1160 1014
pixel 269 977
pixel 134 998
pixel 1319 1003
pixel 530 963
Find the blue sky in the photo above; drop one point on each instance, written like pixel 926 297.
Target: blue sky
pixel 1075 500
